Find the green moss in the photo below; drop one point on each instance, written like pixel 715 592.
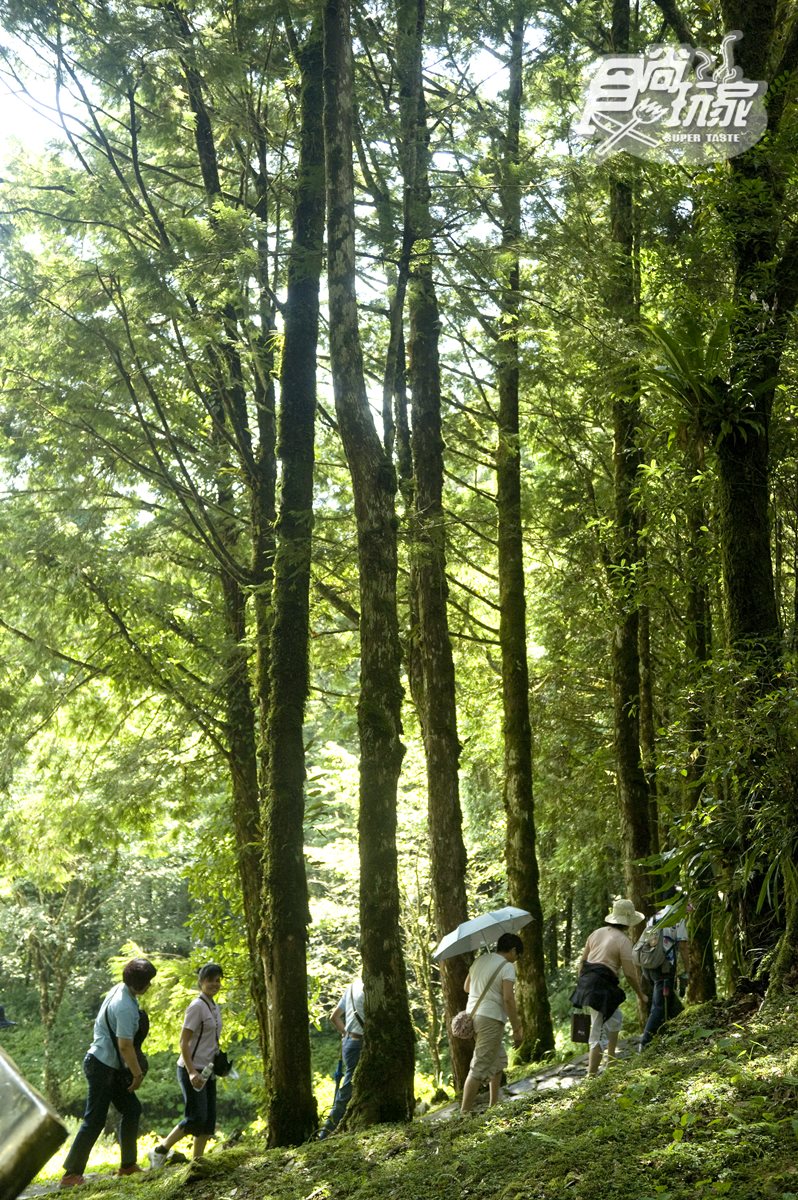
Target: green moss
pixel 708 1112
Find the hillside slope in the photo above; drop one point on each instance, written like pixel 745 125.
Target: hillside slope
pixel 709 1112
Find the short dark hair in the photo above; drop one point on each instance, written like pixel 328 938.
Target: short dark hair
pixel 138 973
pixel 510 941
pixel 209 971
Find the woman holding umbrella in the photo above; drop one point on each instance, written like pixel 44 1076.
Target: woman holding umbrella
pixel 491 997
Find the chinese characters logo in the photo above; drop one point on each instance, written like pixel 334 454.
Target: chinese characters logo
pixel 673 103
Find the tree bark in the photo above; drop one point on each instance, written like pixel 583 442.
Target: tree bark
pixel 622 298
pixel 765 251
pixel 521 855
pixel 648 737
pixel 230 416
pixel 292 1105
pixel 431 664
pixel 568 932
pixel 698 649
pixel 383 1085
pixel 243 766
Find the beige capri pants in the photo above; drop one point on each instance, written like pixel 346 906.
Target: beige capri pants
pixel 489 1057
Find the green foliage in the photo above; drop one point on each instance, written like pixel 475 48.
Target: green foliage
pixel 712 1115
pixel 119 482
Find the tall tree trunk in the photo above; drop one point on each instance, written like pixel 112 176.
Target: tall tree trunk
pixel 648 740
pixel 231 428
pixel 568 931
pixel 765 248
pixel 794 621
pixel 431 662
pixel 703 983
pixel 550 943
pixel 292 1105
pixel 766 292
pixel 521 855
pixel 633 792
pixel 383 1086
pixel 243 766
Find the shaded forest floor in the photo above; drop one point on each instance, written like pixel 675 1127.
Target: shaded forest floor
pixel 709 1112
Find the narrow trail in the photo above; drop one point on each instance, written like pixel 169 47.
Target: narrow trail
pixel 556 1078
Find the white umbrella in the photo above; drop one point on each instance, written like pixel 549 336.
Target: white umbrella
pixel 471 935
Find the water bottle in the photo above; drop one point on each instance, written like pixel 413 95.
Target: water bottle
pixel 207 1072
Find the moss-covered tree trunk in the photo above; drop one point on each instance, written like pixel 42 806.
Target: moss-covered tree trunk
pixel 698 649
pixel 431 664
pixel 383 1086
pixel 520 849
pixel 292 1105
pixel 627 559
pixel 758 213
pixel 648 737
pixel 243 766
pixel 231 430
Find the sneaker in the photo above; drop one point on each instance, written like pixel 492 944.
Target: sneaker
pixel 71 1181
pixel 134 1170
pixel 157 1158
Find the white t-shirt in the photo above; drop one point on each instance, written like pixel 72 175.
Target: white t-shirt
pixel 204 1020
pixel 352 1005
pixel 492 1004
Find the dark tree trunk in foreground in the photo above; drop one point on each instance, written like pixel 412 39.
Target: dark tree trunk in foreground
pixel 231 428
pixel 233 436
pixel 292 1104
pixel 431 663
pixel 633 792
pixel 521 855
pixel 383 1089
pixel 765 246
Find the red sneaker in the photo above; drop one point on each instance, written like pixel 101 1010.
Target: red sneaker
pixel 134 1170
pixel 71 1181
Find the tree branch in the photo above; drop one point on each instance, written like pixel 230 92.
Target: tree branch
pixel 673 16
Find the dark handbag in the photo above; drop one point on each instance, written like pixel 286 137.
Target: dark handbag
pixel 221 1064
pixel 580 1027
pixel 138 1038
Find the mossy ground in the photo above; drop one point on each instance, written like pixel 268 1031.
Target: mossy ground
pixel 711 1112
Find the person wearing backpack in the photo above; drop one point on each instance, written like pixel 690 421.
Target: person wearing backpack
pixel 348 1017
pixel 660 951
pixel 114 1068
pixel 607 952
pixel 490 984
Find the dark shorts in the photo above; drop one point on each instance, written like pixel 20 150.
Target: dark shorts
pixel 200 1107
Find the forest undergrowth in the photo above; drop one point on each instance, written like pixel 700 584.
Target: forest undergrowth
pixel 708 1111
